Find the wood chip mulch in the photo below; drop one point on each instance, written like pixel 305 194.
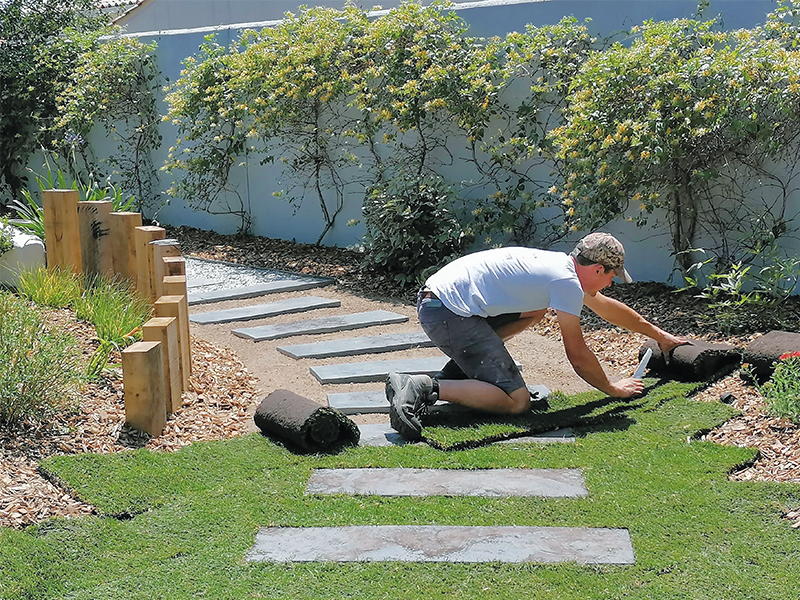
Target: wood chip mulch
pixel 222 389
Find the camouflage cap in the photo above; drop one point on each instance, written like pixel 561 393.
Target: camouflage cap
pixel 605 249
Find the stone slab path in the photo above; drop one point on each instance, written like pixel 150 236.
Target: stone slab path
pixel 487 483
pixel 376 370
pixel 374 402
pixel 251 291
pixel 317 326
pixel 262 311
pixel 358 345
pixel 452 544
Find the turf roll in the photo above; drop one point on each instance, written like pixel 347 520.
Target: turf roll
pixel 304 423
pixel 762 353
pixel 697 361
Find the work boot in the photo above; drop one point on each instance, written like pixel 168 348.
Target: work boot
pixel 409 397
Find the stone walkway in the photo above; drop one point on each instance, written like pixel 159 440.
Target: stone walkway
pixel 396 542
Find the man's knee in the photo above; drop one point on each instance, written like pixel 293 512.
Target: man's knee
pixel 521 401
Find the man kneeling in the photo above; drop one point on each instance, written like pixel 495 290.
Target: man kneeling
pixel 473 305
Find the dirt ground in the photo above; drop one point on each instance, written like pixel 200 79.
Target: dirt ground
pixel 543 359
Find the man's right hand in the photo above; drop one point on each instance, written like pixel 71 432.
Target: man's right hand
pixel 627 388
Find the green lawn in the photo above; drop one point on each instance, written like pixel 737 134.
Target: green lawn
pixel 195 514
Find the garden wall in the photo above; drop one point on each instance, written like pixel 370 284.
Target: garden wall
pixel 254 184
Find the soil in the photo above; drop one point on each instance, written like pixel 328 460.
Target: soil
pixel 231 375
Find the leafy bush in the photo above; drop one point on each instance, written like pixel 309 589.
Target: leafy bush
pixel 39 373
pixel 6 236
pixel 782 391
pixel 410 228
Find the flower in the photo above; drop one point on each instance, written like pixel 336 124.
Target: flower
pixel 788 355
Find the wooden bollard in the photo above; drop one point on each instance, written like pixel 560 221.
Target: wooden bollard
pixel 175 285
pixel 123 226
pixel 61 230
pixel 145 235
pixel 175 306
pixel 143 384
pixel 161 249
pixel 165 330
pixel 94 224
pixel 174 265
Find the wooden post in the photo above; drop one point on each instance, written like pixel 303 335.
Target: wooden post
pixel 161 249
pixel 175 306
pixel 123 226
pixel 175 285
pixel 165 330
pixel 145 235
pixel 61 230
pixel 174 265
pixel 143 383
pixel 94 225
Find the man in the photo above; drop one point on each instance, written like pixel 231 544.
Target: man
pixel 470 307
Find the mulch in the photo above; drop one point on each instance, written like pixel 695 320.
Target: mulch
pixel 222 389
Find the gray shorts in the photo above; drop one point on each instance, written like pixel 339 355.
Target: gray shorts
pixel 472 343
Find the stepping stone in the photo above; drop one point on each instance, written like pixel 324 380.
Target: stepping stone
pixel 251 291
pixel 358 345
pixel 486 483
pixel 325 325
pixel 201 282
pixel 451 544
pixel 260 311
pixel 377 370
pixel 372 402
pixel 382 435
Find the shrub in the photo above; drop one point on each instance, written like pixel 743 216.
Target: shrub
pixel 410 228
pixel 782 391
pixel 39 372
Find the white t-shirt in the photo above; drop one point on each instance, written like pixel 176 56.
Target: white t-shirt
pixel 508 280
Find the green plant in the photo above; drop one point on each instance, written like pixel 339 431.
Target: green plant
pixel 30 211
pixel 411 228
pixel 6 236
pixel 42 40
pixel 114 308
pixel 39 373
pixel 113 86
pixel 683 120
pixel 50 287
pixel 782 391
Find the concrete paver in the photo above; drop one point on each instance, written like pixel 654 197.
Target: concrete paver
pixel 452 544
pixel 487 483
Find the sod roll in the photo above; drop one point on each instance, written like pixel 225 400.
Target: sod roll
pixel 304 423
pixel 697 361
pixel 762 353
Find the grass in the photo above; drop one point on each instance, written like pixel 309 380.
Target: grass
pixel 178 525
pixel 39 365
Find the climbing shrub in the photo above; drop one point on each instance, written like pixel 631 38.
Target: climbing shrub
pixel 681 123
pixel 113 85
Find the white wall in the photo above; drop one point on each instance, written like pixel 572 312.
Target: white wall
pixel 167 21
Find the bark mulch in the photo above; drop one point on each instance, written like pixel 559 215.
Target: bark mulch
pixel 222 389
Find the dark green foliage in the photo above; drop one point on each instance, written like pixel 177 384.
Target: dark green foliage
pixel 411 228
pixel 41 43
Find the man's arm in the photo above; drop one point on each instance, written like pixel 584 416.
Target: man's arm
pixel 624 316
pixel 586 364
